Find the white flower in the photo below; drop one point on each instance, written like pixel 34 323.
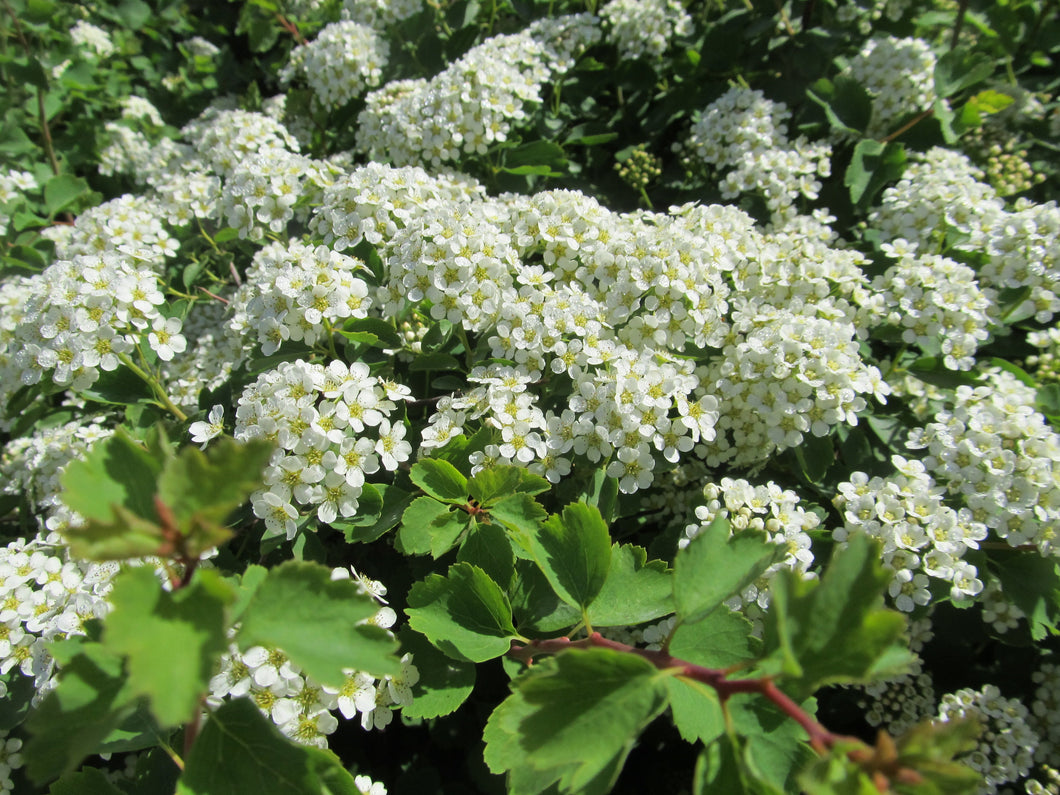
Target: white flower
pixel 165 338
pixel 202 432
pixel 392 447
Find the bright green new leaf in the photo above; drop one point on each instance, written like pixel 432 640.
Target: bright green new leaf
pixel 316 621
pixel 121 537
pixel 440 479
pixel 172 640
pixel 116 471
pixel 202 488
pixel 92 699
pixel 836 774
pixel 715 566
pixel 991 102
pixel 930 748
pixel 720 640
pixel 572 718
pixel 240 752
pixel 444 683
pixel 465 614
pixel 635 590
pixel 832 630
pixel 574 552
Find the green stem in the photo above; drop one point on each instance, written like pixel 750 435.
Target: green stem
pixel 152 382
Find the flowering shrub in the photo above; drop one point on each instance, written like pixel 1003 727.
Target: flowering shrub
pixel 697 361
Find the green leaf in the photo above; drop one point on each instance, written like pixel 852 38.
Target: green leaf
pixel 846 103
pixel 990 102
pixel 930 748
pixel 873 165
pixel 91 699
pixel 634 591
pixel 62 191
pixel 714 567
pixel 719 771
pixel 204 487
pixel 414 535
pixel 959 69
pixel 316 622
pixel 573 718
pixel 533 154
pixel 1032 583
pixel 434 361
pixel 574 552
pixel 444 683
pixel 377 328
pixel 89 781
pixel 776 748
pixel 815 456
pixel 447 530
pixel 535 605
pixel 1048 400
pixel 492 485
pixel 440 479
pixel 115 472
pixel 241 751
pixel 40 11
pixel 465 614
pixel 521 515
pixel 695 709
pixel 836 774
pixel 29 73
pixel 488 547
pixel 720 640
pixel 832 630
pixel 373 522
pixel 172 640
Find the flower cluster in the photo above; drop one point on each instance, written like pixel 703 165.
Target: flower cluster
pixel 922 536
pixel 13 184
pixel 941 191
pixel 297 292
pixel 10 759
pixel 998 455
pixel 332 426
pixel 936 303
pixel 129 225
pixel 645 28
pixel 1023 250
pixel 302 708
pixel 92 38
pixel 372 202
pixel 1005 750
pixel 1045 713
pixel 745 134
pixel 81 316
pixel 31 466
pixel 45 595
pixel 475 101
pixel 786 371
pixel 379 14
pixel 899 75
pixel 341 63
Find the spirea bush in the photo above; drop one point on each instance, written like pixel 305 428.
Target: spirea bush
pixel 524 397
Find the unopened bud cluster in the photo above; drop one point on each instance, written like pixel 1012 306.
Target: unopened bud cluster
pixel 640 168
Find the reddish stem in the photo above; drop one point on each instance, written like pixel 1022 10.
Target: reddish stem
pixel 820 738
pixel 291 28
